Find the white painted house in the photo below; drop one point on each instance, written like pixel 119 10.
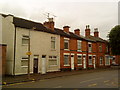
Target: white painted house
pixel 44 46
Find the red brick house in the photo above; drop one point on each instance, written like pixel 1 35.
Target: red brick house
pixel 100 48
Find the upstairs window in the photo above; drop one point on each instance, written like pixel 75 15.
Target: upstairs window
pixel 66 44
pixel 100 47
pixel 25 40
pixel 53 43
pixel 89 47
pixel 79 45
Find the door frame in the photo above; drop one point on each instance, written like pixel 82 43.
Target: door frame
pixel 84 60
pixel 72 62
pixel 94 61
pixel 43 65
pixel 36 57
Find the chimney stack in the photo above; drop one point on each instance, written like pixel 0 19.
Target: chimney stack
pixel 87 31
pixel 66 29
pixel 77 31
pixel 96 33
pixel 49 24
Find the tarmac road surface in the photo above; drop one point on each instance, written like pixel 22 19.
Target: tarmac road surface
pixel 102 79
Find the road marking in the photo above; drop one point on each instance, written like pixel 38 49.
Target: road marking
pixel 58 87
pixel 91 80
pixel 91 85
pixel 42 80
pixel 106 81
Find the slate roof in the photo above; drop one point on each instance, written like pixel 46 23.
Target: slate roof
pixel 97 39
pixel 28 24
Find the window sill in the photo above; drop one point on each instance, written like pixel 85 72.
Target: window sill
pixel 66 49
pixel 53 65
pixel 66 65
pixel 53 49
pixel 79 50
pixel 24 44
pixel 24 66
pixel 79 64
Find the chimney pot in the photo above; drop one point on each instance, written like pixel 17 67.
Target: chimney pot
pixel 96 33
pixel 87 30
pixel 66 29
pixel 77 31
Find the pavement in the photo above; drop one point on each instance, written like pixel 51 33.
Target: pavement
pixel 6 80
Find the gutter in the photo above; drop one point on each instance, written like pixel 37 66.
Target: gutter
pixel 14 51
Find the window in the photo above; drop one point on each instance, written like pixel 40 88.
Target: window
pixel 79 58
pixel 100 47
pixel 66 44
pixel 53 60
pixel 90 60
pixel 101 60
pixel 53 43
pixel 25 40
pixel 79 45
pixel 89 47
pixel 107 61
pixel 24 62
pixel 66 59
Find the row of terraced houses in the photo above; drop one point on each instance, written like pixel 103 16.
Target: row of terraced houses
pixel 52 49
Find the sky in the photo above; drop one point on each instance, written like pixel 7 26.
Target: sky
pixel 101 14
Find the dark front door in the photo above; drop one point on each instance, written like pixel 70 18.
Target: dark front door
pixel 35 66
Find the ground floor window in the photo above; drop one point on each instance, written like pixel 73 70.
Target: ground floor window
pixel 101 60
pixel 24 62
pixel 66 59
pixel 107 60
pixel 52 60
pixel 79 60
pixel 90 60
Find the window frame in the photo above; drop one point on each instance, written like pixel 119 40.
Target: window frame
pixel 101 58
pixel 24 59
pixel 66 40
pixel 79 42
pixel 89 48
pixel 53 58
pixel 68 60
pixel 25 37
pixel 90 61
pixel 81 59
pixel 53 40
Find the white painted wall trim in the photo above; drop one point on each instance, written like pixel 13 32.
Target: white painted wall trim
pixel 66 53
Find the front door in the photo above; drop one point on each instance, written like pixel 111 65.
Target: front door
pixel 35 66
pixel 94 61
pixel 84 62
pixel 72 62
pixel 43 64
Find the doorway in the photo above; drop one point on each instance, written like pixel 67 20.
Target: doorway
pixel 35 64
pixel 84 62
pixel 94 61
pixel 72 62
pixel 43 64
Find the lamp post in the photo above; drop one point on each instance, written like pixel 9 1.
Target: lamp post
pixel 29 53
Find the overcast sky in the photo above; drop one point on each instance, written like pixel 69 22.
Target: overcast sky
pixel 101 14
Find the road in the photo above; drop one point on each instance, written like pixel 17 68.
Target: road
pixel 102 79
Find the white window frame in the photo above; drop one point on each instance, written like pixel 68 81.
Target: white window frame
pixel 81 59
pixel 66 40
pixel 25 37
pixel 79 41
pixel 89 60
pixel 53 59
pixel 24 59
pixel 54 43
pixel 89 48
pixel 68 60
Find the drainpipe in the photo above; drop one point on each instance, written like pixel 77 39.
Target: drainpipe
pixel 14 51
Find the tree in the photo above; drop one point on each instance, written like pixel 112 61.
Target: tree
pixel 114 40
